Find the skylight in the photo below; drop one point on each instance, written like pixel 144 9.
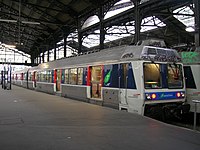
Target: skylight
pixel 185 16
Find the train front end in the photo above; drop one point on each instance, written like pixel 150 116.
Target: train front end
pixel 164 86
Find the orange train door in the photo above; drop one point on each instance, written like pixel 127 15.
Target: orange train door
pixel 96 81
pixel 58 79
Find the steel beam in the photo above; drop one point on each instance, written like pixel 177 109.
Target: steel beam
pixel 102 31
pixel 137 21
pixel 65 43
pixel 55 46
pixel 197 22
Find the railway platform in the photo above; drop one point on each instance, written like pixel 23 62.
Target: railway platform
pixel 31 120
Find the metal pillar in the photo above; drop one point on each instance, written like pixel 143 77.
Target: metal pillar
pixel 137 21
pixel 80 36
pixel 43 56
pixel 47 48
pixel 40 59
pixel 32 59
pixel 102 31
pixel 197 22
pixel 65 45
pixel 55 45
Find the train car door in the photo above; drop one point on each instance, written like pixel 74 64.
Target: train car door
pixel 58 79
pixel 96 81
pixel 34 79
pixel 123 78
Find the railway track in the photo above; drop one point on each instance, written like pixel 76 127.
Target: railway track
pixel 187 121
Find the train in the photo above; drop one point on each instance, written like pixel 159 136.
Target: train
pixel 191 65
pixel 146 79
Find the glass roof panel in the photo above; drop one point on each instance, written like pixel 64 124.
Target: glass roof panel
pixel 184 15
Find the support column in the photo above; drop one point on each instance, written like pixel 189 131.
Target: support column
pixel 40 58
pixel 65 45
pixel 102 31
pixel 40 61
pixel 43 56
pixel 197 22
pixel 80 41
pixel 137 21
pixel 32 60
pixel 47 48
pixel 55 45
pixel 80 35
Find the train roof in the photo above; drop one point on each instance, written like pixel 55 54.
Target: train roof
pixel 113 55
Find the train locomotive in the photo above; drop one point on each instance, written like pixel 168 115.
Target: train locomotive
pixel 146 80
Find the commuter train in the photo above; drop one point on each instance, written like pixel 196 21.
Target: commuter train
pixel 191 64
pixel 141 79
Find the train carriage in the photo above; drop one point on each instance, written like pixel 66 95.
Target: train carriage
pixel 191 63
pixel 20 77
pixel 140 79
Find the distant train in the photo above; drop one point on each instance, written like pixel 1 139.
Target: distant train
pixel 146 80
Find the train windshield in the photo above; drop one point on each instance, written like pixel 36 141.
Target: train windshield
pixel 162 76
pixel 175 76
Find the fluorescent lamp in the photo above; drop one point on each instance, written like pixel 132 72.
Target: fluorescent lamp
pixel 190 29
pixel 30 22
pixel 9 46
pixel 8 20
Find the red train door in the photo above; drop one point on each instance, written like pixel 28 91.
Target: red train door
pixel 58 79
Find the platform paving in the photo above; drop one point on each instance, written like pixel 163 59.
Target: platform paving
pixel 31 120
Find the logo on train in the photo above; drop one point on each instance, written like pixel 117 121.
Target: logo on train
pixel 128 55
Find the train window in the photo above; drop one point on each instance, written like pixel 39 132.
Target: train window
pixel 131 80
pixel 63 76
pixel 152 51
pixel 25 76
pixel 190 83
pixel 38 77
pixel 152 75
pixel 96 78
pixel 85 71
pixel 126 76
pixel 175 78
pixel 111 78
pixel 163 71
pixel 73 76
pixel 43 76
pixel 52 75
pixel 30 76
pixel 80 76
pixel 66 76
pixel 49 78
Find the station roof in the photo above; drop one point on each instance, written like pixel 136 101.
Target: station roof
pixel 34 24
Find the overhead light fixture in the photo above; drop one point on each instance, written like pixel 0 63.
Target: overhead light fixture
pixel 8 46
pixel 8 20
pixel 30 22
pixel 190 29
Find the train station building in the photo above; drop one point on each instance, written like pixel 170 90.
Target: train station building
pixel 111 74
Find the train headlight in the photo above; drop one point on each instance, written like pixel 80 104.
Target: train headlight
pixel 148 96
pixel 178 94
pixel 182 94
pixel 153 96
